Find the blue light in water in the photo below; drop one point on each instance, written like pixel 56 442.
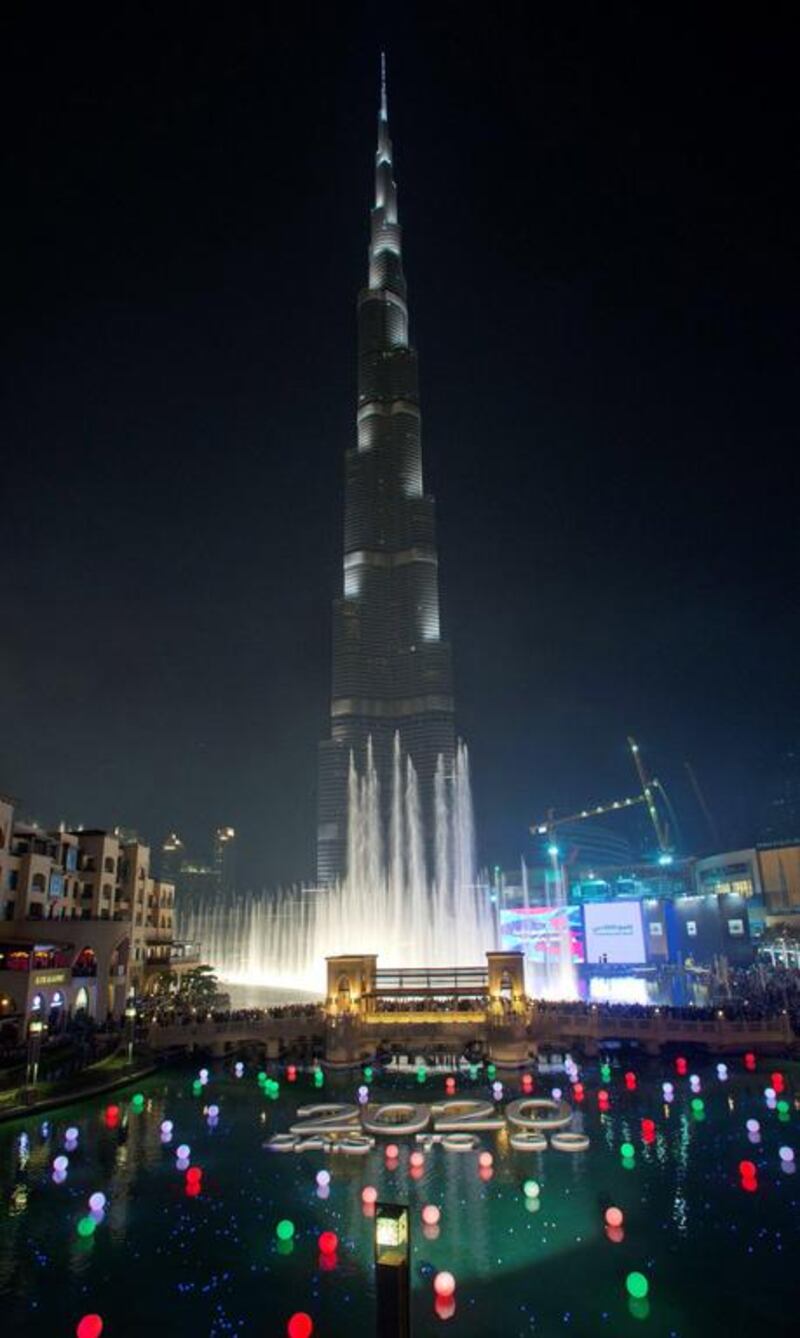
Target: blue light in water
pixel 554 851
pixel 665 859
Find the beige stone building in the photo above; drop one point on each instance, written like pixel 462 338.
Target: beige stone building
pixel 82 921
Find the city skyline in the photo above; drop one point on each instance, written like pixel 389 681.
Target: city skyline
pixel 600 276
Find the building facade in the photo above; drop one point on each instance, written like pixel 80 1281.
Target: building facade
pixel 82 920
pixel 391 667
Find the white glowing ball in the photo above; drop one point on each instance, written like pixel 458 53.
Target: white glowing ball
pixel 60 1163
pixel 363 1090
pixel 667 1088
pixel 444 1284
pixel 485 1159
pixel 753 1126
pixel 369 1194
pixel 166 1126
pixel 786 1154
pixel 182 1164
pixel 203 1075
pixel 722 1071
pixel 694 1082
pixel 97 1201
pixel 416 1159
pixel 323 1177
pixel 71 1134
pixel 770 1093
pixel 431 1214
pixel 183 1151
pixel 556 1093
pixel 213 1112
pixel 497 1090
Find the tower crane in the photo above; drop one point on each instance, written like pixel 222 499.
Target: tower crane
pixel 650 785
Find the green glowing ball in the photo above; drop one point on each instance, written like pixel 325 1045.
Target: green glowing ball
pixel 491 1070
pixel 319 1077
pixel 531 1189
pixel 285 1229
pixel 473 1071
pixel 627 1150
pixel 262 1077
pixel 637 1285
pixel 197 1087
pixel 783 1107
pixel 368 1073
pixel 422 1075
pixel 137 1100
pixel 698 1105
pixel 86 1226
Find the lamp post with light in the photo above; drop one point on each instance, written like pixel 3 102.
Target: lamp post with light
pixel 392 1248
pixel 35 1029
pixel 130 1020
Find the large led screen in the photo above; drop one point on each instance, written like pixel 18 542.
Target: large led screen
pixel 542 932
pixel 613 933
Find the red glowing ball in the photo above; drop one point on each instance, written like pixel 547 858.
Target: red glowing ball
pixel 444 1284
pixel 194 1174
pixel 291 1073
pixel 112 1116
pixel 681 1066
pixel 777 1081
pixel 328 1242
pixel 614 1217
pixel 392 1152
pixel 750 1060
pixel 369 1194
pixel 648 1126
pixel 602 1097
pixel 578 1091
pixel 527 1082
pixel 750 1184
pixel 300 1325
pixel 630 1081
pixel 747 1170
pixel 91 1326
pixel 192 1188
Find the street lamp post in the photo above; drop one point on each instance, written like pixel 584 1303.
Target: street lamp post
pixel 130 1019
pixel 35 1029
pixel 392 1248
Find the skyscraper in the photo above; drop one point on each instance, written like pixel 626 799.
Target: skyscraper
pixel 391 668
pixel 225 859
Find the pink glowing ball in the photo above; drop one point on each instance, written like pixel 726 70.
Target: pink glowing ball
pixel 416 1159
pixel 90 1326
pixel 614 1217
pixel 392 1152
pixel 486 1159
pixel 369 1194
pixel 444 1284
pixel 430 1214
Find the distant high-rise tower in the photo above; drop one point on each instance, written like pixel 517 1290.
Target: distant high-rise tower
pixel 391 669
pixel 225 859
pixel 172 855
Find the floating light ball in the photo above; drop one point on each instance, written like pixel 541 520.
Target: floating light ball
pixel 183 1151
pixel 602 1097
pixel 238 1068
pixel 450 1085
pixel 578 1091
pixel 285 1229
pixel 605 1072
pixel 783 1109
pixel 497 1091
pixel 197 1087
pixel 485 1159
pixel 747 1169
pixel 194 1174
pixel 323 1177
pixel 431 1214
pixel 71 1134
pixel 694 1083
pixel 97 1201
pixel 328 1242
pixel 786 1153
pixel 89 1326
pixel 203 1075
pixel 491 1071
pixel 444 1284
pixel 527 1083
pixel 86 1227
pixel 319 1078
pixel 531 1189
pixel 60 1163
pixel 556 1093
pixel 752 1126
pixel 770 1093
pixel 698 1105
pixel 667 1088
pixel 722 1072
pixel 112 1116
pixel 369 1194
pixel 213 1112
pixel 473 1071
pixel 627 1151
pixel 637 1286
pixel 137 1101
pixel 648 1126
pixel 291 1073
pixel 630 1081
pixel 392 1152
pixel 681 1066
pixel 261 1076
pixel 166 1126
pixel 614 1217
pixel 775 1078
pixel 750 1061
pixel 300 1325
pixel 416 1159
pixel 363 1094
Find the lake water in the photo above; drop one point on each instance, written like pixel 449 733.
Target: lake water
pixel 720 1259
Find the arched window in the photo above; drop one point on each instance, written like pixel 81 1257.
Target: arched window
pixel 38 883
pixel 36 1003
pixel 82 1000
pixel 108 864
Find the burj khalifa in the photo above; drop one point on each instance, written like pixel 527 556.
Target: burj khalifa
pixel 392 671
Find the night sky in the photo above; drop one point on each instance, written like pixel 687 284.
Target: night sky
pixel 601 253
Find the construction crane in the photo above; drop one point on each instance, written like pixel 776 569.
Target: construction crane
pixel 547 826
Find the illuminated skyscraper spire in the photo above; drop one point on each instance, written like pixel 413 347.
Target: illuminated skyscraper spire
pixel 391 669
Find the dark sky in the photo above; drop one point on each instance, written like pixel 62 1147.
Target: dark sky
pixel 602 260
